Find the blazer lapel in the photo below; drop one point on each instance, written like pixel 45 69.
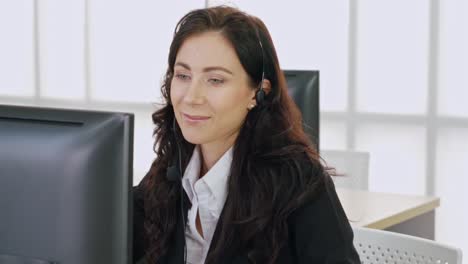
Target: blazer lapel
pixel 176 252
pixel 231 254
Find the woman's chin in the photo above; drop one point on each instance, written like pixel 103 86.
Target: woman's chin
pixel 194 139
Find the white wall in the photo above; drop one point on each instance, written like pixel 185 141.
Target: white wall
pixel 394 77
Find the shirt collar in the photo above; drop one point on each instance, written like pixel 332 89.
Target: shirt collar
pixel 192 172
pixel 216 178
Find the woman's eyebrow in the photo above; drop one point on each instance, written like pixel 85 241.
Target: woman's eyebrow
pixel 182 64
pixel 207 69
pixel 217 68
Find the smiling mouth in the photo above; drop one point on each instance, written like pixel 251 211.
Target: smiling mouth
pixel 195 118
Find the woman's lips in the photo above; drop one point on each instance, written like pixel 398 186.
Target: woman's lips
pixel 195 118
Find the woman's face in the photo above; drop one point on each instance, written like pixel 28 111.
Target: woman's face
pixel 210 90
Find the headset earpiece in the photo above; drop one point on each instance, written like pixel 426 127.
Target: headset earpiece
pixel 260 96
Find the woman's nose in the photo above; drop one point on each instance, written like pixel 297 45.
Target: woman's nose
pixel 195 93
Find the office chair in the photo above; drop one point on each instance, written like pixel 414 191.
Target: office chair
pixel 378 246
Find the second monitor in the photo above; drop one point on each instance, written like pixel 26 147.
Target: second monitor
pixel 303 87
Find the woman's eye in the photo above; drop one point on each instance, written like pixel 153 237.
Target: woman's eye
pixel 183 77
pixel 216 81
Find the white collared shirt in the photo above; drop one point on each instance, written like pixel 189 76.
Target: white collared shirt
pixel 207 196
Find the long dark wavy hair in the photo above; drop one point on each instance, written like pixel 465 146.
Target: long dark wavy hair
pixel 266 183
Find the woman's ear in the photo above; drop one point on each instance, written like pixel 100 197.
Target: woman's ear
pixel 266 85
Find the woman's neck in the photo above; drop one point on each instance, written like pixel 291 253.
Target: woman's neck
pixel 212 152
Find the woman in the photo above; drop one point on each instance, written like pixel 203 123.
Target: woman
pixel 236 179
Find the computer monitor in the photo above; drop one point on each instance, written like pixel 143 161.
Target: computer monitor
pixel 65 186
pixel 303 87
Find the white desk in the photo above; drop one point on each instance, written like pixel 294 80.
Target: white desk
pixel 408 214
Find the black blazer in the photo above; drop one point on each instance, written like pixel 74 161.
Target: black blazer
pixel 319 233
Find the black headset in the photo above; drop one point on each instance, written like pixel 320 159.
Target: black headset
pixel 174 171
pixel 174 174
pixel 260 95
